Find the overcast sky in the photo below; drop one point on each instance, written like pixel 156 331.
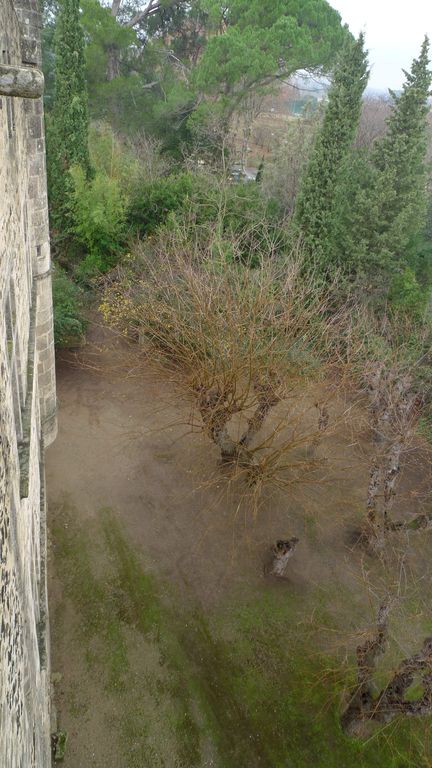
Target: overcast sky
pixel 394 32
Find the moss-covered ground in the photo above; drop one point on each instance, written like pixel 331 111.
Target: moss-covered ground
pixel 167 684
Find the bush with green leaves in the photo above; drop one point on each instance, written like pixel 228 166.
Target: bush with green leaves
pixel 159 198
pixel 69 320
pixel 98 220
pixel 406 295
pixel 207 202
pixel 239 213
pixel 113 156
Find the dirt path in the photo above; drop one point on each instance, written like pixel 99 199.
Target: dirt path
pixel 173 648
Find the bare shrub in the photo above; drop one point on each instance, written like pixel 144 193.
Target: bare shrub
pixel 373 123
pixel 148 152
pixel 284 168
pixel 373 120
pixel 244 118
pixel 241 343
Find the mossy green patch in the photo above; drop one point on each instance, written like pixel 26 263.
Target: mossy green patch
pixel 243 686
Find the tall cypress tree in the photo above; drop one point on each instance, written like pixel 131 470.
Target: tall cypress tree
pixel 68 133
pixel 382 199
pixel 400 159
pixel 315 207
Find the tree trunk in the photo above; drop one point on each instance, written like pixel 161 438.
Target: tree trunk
pixel 115 7
pixel 323 422
pixel 113 63
pixel 282 552
pixel 390 478
pixel 359 707
pixel 375 478
pixel 267 399
pixel 365 706
pixel 216 415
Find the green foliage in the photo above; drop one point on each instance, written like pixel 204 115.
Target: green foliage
pixel 263 37
pixel 157 199
pixel 240 214
pixel 111 156
pixel 104 34
pixel 116 70
pixel 49 13
pixel 351 246
pixel 315 210
pixel 400 157
pixel 208 124
pixel 152 75
pixel 382 199
pixel 406 294
pixel 132 82
pixel 70 105
pixel 69 321
pixel 98 220
pixel 205 203
pixel 68 126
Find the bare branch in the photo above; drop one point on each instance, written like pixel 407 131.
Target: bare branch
pixel 365 705
pixel 151 8
pixel 115 7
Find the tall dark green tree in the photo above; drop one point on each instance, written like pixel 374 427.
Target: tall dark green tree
pixel 400 159
pixel 315 210
pixel 382 199
pixel 68 123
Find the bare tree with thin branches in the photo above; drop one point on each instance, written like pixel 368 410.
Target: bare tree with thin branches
pixel 240 341
pixel 366 705
pixel 388 372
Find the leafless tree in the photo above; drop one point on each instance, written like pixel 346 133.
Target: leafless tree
pixel 393 412
pixel 373 121
pixel 249 109
pixel 239 341
pixel 366 705
pixel 142 10
pixel 148 151
pixel 283 169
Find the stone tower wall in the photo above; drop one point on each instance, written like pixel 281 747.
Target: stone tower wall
pixel 31 55
pixel 27 406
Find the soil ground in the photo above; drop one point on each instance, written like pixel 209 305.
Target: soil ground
pixel 172 648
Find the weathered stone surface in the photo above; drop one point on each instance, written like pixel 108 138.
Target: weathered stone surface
pixel 21 81
pixel 27 409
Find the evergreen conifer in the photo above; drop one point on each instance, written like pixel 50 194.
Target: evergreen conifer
pixel 315 208
pixel 68 128
pixel 382 198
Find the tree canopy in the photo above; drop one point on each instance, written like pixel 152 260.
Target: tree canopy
pixel 153 63
pixel 256 41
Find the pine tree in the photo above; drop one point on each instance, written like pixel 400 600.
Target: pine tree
pixel 68 129
pixel 315 207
